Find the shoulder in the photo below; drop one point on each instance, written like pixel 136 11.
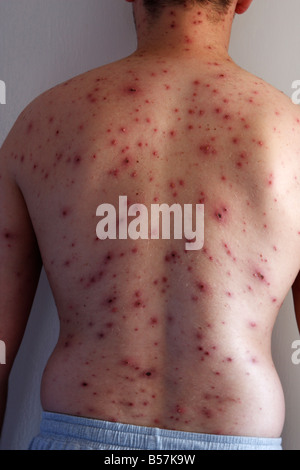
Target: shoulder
pixel 57 106
pixel 271 111
pixel 264 96
pixel 74 90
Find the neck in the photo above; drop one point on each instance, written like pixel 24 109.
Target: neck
pixel 190 31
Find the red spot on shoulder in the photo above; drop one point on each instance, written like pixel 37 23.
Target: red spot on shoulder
pixel 29 127
pixel 91 98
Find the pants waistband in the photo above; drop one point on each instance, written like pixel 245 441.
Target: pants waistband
pixel 97 434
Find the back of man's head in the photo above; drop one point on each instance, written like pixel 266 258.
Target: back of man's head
pixel 154 7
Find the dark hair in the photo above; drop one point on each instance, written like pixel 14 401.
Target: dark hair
pixel 154 7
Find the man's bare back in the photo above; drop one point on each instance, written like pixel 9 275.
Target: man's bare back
pixel 153 334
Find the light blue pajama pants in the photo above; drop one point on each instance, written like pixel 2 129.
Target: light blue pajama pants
pixel 64 432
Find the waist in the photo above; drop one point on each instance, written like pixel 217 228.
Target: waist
pixel 208 394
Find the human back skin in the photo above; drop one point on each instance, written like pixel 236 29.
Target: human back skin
pixel 153 334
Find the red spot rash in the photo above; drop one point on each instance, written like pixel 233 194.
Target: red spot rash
pixel 202 198
pixel 173 256
pixel 199 335
pixel 29 127
pixel 202 287
pixel 126 161
pixel 110 300
pixel 207 150
pixel 114 172
pixel 108 258
pixel 139 303
pixel 65 212
pixel 221 214
pixel 188 40
pixel 91 98
pixel 259 275
pixel 180 409
pixel 206 412
pixel 148 373
pixel 228 251
pixel 8 235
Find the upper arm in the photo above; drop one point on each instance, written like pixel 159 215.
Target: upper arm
pixel 20 262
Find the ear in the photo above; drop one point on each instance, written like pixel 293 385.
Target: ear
pixel 242 6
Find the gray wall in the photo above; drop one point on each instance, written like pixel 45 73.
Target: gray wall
pixel 45 42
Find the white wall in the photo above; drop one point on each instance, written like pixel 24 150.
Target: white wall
pixel 44 42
